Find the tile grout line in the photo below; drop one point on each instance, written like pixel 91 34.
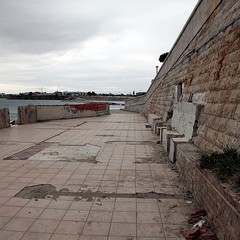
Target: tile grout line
pixel 115 197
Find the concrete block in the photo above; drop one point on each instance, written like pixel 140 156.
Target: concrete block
pixel 167 135
pixel 4 118
pixel 156 125
pixel 173 147
pixel 27 114
pixel 161 133
pixel 151 118
pixel 184 118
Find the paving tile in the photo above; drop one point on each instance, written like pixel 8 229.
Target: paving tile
pixel 102 206
pixel 38 203
pixel 57 236
pixel 10 235
pixel 81 205
pixel 17 202
pixel 123 229
pixel 125 207
pixel 8 192
pixel 59 204
pixel 84 237
pixel 16 186
pixel 76 215
pixel 121 238
pixel 54 214
pixel 44 226
pixel 28 212
pixel 4 220
pixel 124 217
pixel 9 211
pixel 173 231
pixel 19 224
pixel 148 217
pixel 70 227
pixel 96 229
pixel 150 238
pixel 126 190
pixel 147 207
pixel 100 216
pixel 36 236
pixel 150 230
pixel 173 218
pixel 169 206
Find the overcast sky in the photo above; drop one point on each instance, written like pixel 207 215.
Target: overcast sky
pixel 86 45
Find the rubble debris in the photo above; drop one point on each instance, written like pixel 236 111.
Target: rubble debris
pixel 173 206
pixel 200 229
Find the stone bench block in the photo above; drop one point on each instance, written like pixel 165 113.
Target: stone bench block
pixel 167 135
pixel 173 147
pixel 161 133
pixel 156 125
pixel 152 118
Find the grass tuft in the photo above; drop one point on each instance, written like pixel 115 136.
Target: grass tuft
pixel 225 165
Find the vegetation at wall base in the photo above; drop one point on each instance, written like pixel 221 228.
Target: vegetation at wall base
pixel 226 165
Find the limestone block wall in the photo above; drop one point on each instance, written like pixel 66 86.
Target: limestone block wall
pixel 205 60
pixel 4 118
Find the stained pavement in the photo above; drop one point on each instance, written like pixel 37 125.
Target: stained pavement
pixel 102 178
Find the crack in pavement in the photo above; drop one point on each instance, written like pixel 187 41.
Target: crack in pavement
pixel 43 191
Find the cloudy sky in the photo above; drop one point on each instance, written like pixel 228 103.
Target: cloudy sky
pixel 86 45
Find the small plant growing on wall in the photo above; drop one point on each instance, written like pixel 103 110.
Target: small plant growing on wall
pixel 226 165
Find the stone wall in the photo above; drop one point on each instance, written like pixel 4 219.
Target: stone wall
pixel 205 60
pixel 27 114
pixel 223 207
pixel 4 118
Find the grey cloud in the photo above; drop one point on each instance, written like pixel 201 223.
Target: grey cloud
pixel 35 26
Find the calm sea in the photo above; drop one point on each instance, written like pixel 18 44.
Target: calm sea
pixel 12 105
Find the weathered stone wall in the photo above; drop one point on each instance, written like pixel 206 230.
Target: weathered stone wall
pixel 4 118
pixel 209 68
pixel 31 113
pixel 27 114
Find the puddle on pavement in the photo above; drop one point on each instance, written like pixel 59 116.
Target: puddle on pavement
pixel 44 191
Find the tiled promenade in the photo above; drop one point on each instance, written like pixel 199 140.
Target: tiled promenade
pixel 95 198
